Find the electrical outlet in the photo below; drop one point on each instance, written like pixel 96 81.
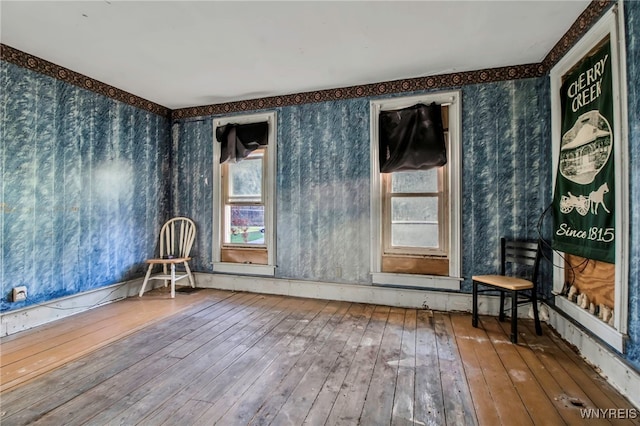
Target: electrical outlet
pixel 19 293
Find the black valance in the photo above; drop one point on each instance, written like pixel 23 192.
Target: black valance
pixel 412 139
pixel 237 141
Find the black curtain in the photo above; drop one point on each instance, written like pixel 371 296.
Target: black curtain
pixel 237 141
pixel 412 139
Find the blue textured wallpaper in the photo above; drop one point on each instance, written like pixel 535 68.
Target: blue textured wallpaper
pixel 191 187
pixel 632 29
pixel 323 189
pixel 83 191
pixel 506 168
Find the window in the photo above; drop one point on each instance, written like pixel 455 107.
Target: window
pixel 416 214
pixel 244 194
pixel 244 202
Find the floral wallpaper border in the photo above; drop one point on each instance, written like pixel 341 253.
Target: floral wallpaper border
pixel 368 90
pixel 25 60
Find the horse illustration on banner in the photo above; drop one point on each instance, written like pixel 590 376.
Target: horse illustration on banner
pixel 596 198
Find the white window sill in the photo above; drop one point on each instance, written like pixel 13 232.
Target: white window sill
pixel 244 269
pixel 416 281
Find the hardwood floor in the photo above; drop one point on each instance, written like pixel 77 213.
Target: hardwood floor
pixel 216 357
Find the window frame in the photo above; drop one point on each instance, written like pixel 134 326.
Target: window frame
pixel 443 215
pixel 228 200
pixel 220 197
pixel 452 195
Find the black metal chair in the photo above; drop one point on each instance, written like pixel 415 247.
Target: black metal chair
pixel 519 262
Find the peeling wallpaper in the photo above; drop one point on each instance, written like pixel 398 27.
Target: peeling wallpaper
pixel 82 192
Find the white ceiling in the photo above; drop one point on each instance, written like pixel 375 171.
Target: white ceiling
pixel 180 54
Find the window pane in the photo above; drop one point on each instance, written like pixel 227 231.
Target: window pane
pixel 245 179
pixel 415 181
pixel 414 222
pixel 246 225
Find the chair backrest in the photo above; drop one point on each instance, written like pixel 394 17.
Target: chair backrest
pixel 177 236
pixel 523 258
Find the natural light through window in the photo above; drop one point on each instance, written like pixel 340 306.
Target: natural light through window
pixel 415 212
pixel 244 194
pixel 244 201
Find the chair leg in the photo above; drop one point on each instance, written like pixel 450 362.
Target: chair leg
pixel 164 271
pixel 536 317
pixel 173 280
pixel 514 316
pixel 146 280
pixel 501 312
pixel 474 316
pixel 186 266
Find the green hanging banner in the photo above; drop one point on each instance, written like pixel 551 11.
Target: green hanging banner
pixel 583 202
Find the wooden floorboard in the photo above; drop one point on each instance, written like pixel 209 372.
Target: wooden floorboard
pixel 589 378
pixel 402 412
pixel 378 406
pixel 548 383
pixel 578 391
pixel 221 391
pixel 351 398
pixel 244 380
pixel 458 406
pixel 112 359
pixel 297 406
pixel 506 398
pixel 40 351
pixel 477 354
pixel 108 395
pixel 228 358
pixel 293 374
pixel 325 398
pixel 428 394
pixel 103 376
pixel 539 408
pixel 234 341
pixel 245 409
